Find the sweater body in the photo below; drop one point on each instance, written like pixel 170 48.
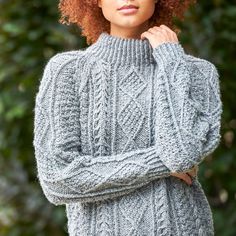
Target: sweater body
pixel 112 122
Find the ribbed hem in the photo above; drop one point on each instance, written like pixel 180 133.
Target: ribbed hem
pixel 168 51
pixel 123 51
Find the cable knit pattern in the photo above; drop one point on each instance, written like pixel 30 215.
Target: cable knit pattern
pixel 112 122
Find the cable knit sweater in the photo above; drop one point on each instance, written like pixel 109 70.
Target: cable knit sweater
pixel 112 122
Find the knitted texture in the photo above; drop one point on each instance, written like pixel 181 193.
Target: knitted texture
pixel 112 122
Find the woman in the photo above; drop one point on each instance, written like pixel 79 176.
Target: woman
pixel 121 126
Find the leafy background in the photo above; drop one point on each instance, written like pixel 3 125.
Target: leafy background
pixel 29 35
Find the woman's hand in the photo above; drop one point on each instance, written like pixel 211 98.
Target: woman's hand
pixel 186 176
pixel 158 35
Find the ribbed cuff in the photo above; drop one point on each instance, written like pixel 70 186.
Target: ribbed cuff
pixel 156 165
pixel 168 51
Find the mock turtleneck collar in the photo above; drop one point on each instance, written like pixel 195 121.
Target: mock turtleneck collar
pixel 123 51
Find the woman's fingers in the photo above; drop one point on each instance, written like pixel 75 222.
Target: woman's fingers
pixel 193 171
pixel 159 34
pixel 183 176
pixel 187 178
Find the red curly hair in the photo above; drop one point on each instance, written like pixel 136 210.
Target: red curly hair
pixel 89 17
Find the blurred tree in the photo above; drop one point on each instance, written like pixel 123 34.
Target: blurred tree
pixel 29 35
pixel 210 33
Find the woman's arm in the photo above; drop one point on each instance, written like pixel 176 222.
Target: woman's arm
pixel 188 107
pixel 187 129
pixel 65 175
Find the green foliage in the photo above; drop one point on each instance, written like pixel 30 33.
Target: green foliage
pixel 29 35
pixel 210 33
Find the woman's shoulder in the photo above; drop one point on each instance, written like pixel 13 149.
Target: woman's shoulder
pixel 64 60
pixel 204 65
pixel 58 70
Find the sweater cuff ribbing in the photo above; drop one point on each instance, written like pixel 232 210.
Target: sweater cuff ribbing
pixel 168 51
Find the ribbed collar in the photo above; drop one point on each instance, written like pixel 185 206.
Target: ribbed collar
pixel 122 51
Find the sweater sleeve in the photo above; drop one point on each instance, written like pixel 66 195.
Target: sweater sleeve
pixel 64 174
pixel 189 109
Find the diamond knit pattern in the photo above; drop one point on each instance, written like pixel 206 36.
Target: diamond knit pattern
pixel 112 122
pixel 132 114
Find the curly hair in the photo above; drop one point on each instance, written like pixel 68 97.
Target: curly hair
pixel 89 17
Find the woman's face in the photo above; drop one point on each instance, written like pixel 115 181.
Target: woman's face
pixel 123 19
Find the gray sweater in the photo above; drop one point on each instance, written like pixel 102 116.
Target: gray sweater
pixel 111 122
